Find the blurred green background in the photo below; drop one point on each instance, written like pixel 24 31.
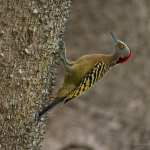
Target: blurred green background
pixel 114 114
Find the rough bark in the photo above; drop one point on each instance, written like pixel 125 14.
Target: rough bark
pixel 30 34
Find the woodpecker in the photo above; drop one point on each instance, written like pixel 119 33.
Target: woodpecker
pixel 86 71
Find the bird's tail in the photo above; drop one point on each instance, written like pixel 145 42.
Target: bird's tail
pixel 55 102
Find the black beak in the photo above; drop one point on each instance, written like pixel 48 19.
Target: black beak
pixel 114 38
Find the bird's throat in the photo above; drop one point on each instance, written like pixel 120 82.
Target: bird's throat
pixel 121 60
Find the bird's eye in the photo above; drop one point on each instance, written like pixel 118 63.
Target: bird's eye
pixel 121 46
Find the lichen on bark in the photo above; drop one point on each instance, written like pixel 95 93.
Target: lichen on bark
pixel 30 34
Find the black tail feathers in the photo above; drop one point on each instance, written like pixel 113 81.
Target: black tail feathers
pixel 50 107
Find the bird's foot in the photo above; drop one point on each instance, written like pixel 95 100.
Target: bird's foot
pixel 63 54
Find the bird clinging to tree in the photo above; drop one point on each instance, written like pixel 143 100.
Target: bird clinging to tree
pixel 86 71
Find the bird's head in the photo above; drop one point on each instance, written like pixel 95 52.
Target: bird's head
pixel 122 50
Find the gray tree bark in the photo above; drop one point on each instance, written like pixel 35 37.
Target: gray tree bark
pixel 30 34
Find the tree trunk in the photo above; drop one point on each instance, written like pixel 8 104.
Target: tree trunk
pixel 30 34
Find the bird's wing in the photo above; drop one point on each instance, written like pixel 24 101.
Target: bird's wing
pixel 91 78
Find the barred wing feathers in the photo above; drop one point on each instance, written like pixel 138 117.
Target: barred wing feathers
pixel 91 78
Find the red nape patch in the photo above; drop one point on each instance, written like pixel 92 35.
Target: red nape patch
pixel 124 59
